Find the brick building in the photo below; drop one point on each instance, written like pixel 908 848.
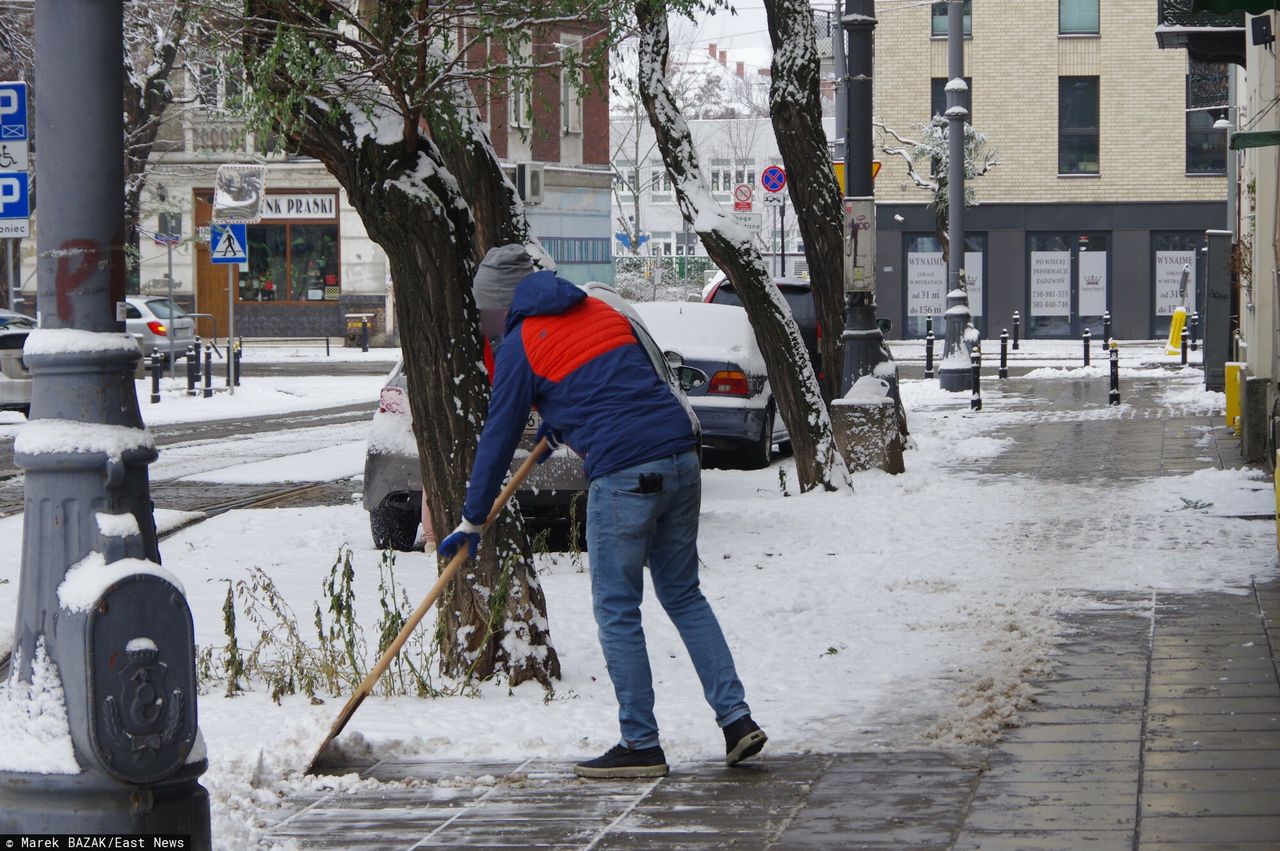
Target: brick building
pixel 1106 183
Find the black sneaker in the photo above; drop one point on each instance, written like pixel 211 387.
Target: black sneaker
pixel 622 761
pixel 743 738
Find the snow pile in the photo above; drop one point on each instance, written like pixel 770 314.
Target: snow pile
pixel 700 331
pixel 117 525
pixel 62 341
pixel 34 719
pixel 392 434
pixel 88 578
pixel 47 436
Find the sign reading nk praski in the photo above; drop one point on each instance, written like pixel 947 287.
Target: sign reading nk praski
pixel 300 205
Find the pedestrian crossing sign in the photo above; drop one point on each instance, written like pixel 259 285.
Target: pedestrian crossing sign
pixel 228 243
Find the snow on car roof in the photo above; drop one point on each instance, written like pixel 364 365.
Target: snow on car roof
pixel 701 331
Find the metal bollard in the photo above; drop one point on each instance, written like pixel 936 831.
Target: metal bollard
pixel 975 361
pixel 364 335
pixel 208 372
pixel 193 369
pixel 236 356
pixel 326 346
pixel 928 355
pixel 1004 353
pixel 928 325
pixel 1087 336
pixel 157 369
pixel 1114 397
pixel 1182 348
pixel 1017 324
pixel 1106 329
pixel 1195 331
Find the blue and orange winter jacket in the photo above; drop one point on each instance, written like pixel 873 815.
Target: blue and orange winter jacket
pixel 578 360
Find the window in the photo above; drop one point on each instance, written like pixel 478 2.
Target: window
pixel 1067 288
pixel 291 262
pixel 625 177
pixel 220 84
pixel 570 82
pixel 1207 86
pixel 1077 17
pixel 940 18
pixel 721 175
pixel 518 94
pixel 1078 125
pixel 1172 253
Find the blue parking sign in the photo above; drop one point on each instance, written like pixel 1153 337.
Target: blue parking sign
pixel 15 198
pixel 13 112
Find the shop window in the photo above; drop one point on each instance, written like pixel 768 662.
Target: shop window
pixel 292 262
pixel 1078 17
pixel 1207 101
pixel 1067 283
pixel 1174 253
pixel 940 19
pixel 926 282
pixel 1078 135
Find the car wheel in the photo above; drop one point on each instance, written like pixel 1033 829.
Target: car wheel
pixel 757 454
pixel 393 526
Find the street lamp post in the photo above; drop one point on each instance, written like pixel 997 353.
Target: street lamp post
pixel 955 373
pixel 862 339
pixel 103 647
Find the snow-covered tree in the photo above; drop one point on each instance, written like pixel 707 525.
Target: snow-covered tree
pixel 795 386
pixel 928 163
pixel 382 94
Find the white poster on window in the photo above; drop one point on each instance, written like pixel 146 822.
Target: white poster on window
pixel 1169 266
pixel 1093 283
pixel 926 284
pixel 1050 283
pixel 973 280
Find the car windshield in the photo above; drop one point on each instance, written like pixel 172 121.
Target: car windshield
pixel 165 309
pixel 801 303
pixel 9 322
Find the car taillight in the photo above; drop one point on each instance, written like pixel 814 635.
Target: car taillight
pixel 392 401
pixel 711 294
pixel 158 329
pixel 729 383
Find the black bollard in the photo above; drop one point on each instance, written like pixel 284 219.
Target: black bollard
pixel 1106 329
pixel 928 325
pixel 157 369
pixel 1004 353
pixel 364 335
pixel 208 372
pixel 1017 324
pixel 1114 397
pixel 975 362
pixel 1195 331
pixel 195 357
pixel 193 369
pixel 928 355
pixel 236 355
pixel 1087 336
pixel 1183 347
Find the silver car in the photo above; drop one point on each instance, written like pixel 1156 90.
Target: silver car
pixel 159 324
pixel 15 380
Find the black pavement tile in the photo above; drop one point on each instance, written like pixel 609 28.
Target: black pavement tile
pixel 1199 740
pixel 1205 759
pixel 1078 752
pixel 1036 715
pixel 1220 780
pixel 1211 705
pixel 1072 685
pixel 1002 794
pixel 1117 771
pixel 1027 840
pixel 1069 817
pixel 1089 732
pixel 1262 689
pixel 1211 830
pixel 1215 676
pixel 1234 803
pixel 1214 722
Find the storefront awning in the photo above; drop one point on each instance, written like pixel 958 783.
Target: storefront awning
pixel 1226 7
pixel 1255 139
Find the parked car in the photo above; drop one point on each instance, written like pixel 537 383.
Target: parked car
pixel 554 494
pixel 15 379
pixel 154 321
pixel 735 404
pixel 799 295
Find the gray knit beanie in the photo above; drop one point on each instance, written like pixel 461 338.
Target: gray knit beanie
pixel 501 269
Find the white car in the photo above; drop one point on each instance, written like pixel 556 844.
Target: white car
pixel 159 324
pixel 15 379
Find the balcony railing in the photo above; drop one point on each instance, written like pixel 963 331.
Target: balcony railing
pixel 1178 13
pixel 1206 36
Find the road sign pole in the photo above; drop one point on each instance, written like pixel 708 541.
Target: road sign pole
pixel 231 329
pixel 173 363
pixel 9 274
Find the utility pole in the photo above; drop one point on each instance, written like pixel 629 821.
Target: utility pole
pixel 98 617
pixel 955 373
pixel 862 339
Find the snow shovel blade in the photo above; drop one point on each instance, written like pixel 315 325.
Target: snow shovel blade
pixel 366 686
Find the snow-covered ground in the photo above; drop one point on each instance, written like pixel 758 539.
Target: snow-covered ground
pixel 907 613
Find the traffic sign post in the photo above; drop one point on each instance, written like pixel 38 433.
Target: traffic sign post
pixel 229 244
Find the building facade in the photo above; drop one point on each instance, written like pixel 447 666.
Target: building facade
pixel 1106 181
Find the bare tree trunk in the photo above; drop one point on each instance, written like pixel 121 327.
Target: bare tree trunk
pixel 795 387
pixel 796 111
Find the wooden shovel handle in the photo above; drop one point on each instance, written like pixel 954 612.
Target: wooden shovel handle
pixel 446 575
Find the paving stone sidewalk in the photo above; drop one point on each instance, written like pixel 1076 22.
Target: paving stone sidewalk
pixel 1159 728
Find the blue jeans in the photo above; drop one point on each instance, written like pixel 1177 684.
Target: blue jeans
pixel 626 529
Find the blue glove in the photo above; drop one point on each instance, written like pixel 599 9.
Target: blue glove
pixel 467 534
pixel 554 439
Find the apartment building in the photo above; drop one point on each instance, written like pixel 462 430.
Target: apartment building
pixel 311 262
pixel 1106 181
